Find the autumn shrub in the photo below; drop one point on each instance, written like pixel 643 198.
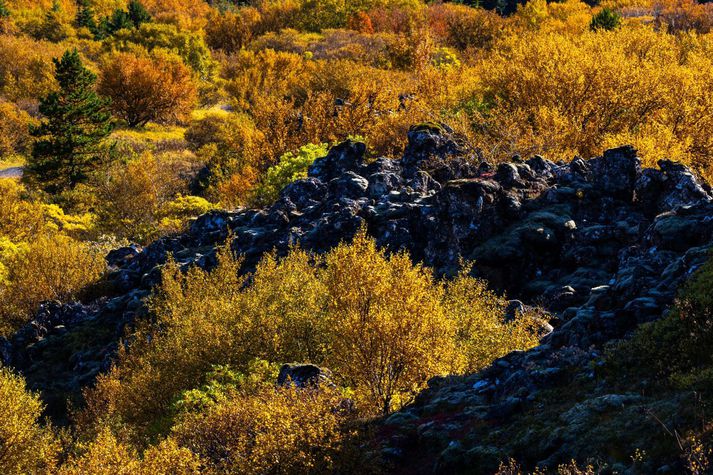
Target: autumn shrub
pixel 231 31
pixel 55 25
pixel 683 15
pixel 234 149
pixel 318 15
pixel 23 218
pixel 389 331
pixel 285 430
pixel 108 455
pixel 142 88
pixel 50 267
pixel 26 69
pixel 383 325
pixel 189 15
pixel 14 130
pixel 253 76
pixel 463 27
pixel 403 17
pixel 580 104
pixel 144 198
pixel 189 46
pixel 361 22
pixel 26 446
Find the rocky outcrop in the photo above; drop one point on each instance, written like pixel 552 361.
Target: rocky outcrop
pixel 601 243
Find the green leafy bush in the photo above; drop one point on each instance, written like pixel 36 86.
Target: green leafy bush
pixel 291 167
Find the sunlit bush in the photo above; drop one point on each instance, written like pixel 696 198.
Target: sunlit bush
pixel 107 455
pixel 26 69
pixel 383 325
pixel 142 199
pixel 267 432
pixel 14 130
pixel 143 88
pixel 25 446
pixel 189 46
pixel 50 267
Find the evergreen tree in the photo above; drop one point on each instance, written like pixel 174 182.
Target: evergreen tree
pixel 120 20
pixel 606 19
pixel 69 139
pixel 138 14
pixel 85 16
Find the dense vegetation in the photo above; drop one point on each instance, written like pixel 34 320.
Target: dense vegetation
pixel 130 118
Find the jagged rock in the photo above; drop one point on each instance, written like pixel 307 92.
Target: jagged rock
pixel 5 352
pixel 122 256
pixel 342 158
pixel 601 243
pixel 303 375
pixel 616 172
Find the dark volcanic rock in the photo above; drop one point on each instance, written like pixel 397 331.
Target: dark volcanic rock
pixel 303 375
pixel 602 243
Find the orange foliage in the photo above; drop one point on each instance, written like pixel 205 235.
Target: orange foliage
pixel 142 88
pixel 360 22
pixel 189 14
pixel 683 15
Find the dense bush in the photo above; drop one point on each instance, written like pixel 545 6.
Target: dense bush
pixel 189 46
pixel 47 268
pixel 38 258
pixel 25 445
pixel 267 431
pixel 107 455
pixel 143 198
pixel 143 89
pixel 349 312
pixel 14 130
pixel 291 167
pixel 26 70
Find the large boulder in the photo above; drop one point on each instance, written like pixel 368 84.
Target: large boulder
pixel 346 157
pixel 615 173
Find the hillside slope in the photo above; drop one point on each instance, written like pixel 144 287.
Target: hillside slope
pixel 600 243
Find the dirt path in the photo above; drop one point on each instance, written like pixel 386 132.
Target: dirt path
pixel 12 172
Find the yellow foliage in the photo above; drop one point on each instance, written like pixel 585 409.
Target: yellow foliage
pixel 134 198
pixel 105 455
pixel 51 267
pixel 389 333
pixel 559 95
pixel 159 88
pixel 14 129
pixel 26 447
pixel 285 430
pixel 26 70
pixel 383 325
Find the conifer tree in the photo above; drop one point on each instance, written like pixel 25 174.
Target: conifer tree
pixel 85 16
pixel 120 20
pixel 138 14
pixel 76 122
